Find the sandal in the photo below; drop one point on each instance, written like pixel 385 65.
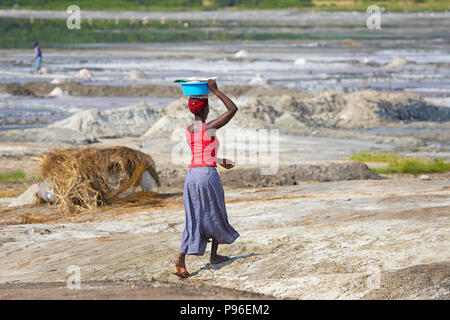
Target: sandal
pixel 182 275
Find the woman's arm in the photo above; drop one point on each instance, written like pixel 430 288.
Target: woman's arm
pixel 231 107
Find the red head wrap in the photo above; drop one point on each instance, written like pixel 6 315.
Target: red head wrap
pixel 197 105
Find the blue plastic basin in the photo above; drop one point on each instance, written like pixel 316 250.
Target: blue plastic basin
pixel 195 88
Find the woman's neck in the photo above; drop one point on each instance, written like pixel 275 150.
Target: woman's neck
pixel 198 118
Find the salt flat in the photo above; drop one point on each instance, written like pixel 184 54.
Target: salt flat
pixel 329 240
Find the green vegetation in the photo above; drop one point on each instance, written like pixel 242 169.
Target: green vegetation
pixel 155 4
pixel 415 166
pixel 21 33
pixel 374 157
pixel 15 176
pixel 411 165
pixel 321 5
pixel 389 5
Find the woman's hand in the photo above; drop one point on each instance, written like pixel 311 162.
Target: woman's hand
pixel 212 85
pixel 227 164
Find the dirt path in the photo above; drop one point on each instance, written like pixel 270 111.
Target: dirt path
pixel 133 290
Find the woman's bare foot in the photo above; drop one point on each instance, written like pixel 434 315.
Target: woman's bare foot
pixel 218 259
pixel 181 267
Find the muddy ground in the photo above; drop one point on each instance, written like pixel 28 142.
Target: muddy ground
pixel 133 290
pixel 73 88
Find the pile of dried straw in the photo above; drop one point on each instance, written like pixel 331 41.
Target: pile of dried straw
pixel 87 178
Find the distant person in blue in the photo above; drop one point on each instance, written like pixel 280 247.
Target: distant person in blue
pixel 38 57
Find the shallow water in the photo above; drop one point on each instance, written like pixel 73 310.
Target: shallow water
pixel 322 70
pixel 404 131
pixel 329 64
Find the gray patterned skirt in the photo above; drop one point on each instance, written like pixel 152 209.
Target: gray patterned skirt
pixel 206 214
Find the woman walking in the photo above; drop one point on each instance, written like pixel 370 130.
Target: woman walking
pixel 38 57
pixel 203 195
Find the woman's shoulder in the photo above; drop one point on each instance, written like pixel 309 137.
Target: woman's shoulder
pixel 193 129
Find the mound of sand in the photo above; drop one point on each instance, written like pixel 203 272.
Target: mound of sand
pixel 242 54
pixel 397 62
pixel 259 80
pixel 135 74
pixel 84 74
pixel 367 62
pixel 292 174
pixel 57 92
pixel 166 125
pixel 333 109
pixel 286 176
pixel 128 121
pixel 425 281
pixel 297 114
pixel 58 81
pixel 300 61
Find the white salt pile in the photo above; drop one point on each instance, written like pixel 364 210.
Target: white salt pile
pixel 84 73
pixel 397 62
pixel 57 92
pixel 135 74
pixel 300 61
pixel 259 80
pixel 128 121
pixel 58 81
pixel 242 54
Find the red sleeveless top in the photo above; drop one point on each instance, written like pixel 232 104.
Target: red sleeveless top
pixel 204 148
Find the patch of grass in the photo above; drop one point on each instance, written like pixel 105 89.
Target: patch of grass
pixel 170 5
pixel 12 176
pixel 414 166
pixel 374 157
pixel 396 164
pixel 155 4
pixel 16 176
pixel 389 5
pixel 52 33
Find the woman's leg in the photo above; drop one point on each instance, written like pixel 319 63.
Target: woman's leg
pixel 216 258
pixel 181 266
